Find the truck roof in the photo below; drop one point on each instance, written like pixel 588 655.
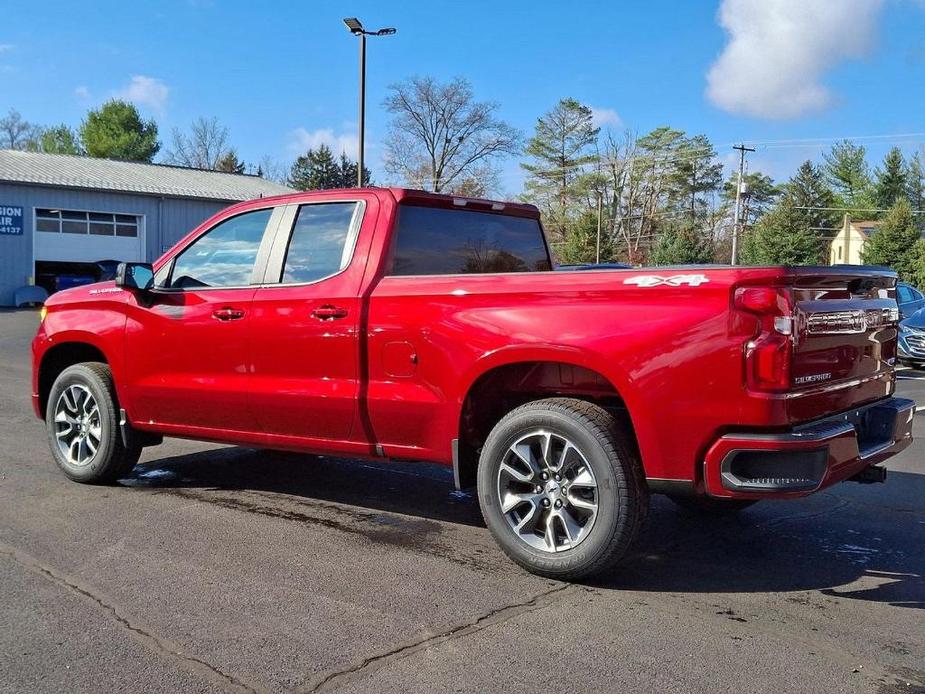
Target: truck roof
pixel 418 197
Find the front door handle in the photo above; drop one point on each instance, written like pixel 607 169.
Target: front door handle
pixel 329 312
pixel 227 313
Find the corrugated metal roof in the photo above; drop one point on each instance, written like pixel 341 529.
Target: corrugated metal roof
pixel 131 177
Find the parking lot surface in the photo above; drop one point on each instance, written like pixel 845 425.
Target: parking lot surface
pixel 227 569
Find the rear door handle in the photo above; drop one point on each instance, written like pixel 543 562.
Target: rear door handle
pixel 227 313
pixel 329 312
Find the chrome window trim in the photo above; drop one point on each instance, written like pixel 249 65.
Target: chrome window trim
pixel 277 259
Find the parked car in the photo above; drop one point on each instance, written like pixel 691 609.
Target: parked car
pixel 912 340
pixel 909 299
pixel 400 324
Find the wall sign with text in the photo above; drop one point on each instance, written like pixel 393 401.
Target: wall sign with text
pixel 10 221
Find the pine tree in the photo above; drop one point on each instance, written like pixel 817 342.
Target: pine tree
pixel 116 131
pixel 315 170
pixel 681 245
pixel 59 139
pixel 347 173
pixel 782 237
pixel 580 244
pixel 894 243
pixel 891 179
pixel 915 187
pixel 811 199
pixel 230 163
pixel 560 148
pixel 694 175
pixel 762 193
pixel 846 170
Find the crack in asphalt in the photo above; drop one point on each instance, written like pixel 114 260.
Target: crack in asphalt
pixel 371 663
pixel 154 642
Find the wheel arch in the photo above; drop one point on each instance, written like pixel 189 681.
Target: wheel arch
pixel 507 380
pixel 58 357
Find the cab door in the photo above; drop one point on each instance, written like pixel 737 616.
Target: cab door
pixel 186 343
pixel 306 322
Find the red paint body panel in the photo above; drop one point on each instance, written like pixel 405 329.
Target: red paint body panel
pixel 394 370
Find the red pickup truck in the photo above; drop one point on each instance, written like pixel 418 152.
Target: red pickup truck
pixel 400 324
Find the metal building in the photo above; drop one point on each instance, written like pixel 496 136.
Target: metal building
pixel 60 214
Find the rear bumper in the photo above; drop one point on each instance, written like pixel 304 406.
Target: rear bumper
pixel 809 457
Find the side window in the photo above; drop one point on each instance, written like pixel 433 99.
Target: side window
pixel 322 241
pixel 441 241
pixel 224 256
pixel 916 294
pixel 904 294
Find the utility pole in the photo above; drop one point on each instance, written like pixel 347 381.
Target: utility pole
pixel 600 214
pixel 735 225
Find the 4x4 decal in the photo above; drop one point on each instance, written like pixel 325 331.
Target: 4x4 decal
pixel 673 281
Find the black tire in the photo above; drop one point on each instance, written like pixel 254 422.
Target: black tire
pixel 710 506
pixel 621 491
pixel 111 460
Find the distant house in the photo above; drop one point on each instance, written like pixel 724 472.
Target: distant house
pixel 848 244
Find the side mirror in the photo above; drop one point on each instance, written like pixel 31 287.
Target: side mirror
pixel 138 276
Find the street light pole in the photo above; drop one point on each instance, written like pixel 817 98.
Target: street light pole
pixel 356 28
pixel 361 145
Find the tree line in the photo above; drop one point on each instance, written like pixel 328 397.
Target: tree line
pixel 654 198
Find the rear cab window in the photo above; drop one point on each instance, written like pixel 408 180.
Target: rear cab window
pixel 448 241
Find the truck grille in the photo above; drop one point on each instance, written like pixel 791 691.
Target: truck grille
pixel 916 342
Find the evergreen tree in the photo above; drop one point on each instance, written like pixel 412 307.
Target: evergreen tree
pixel 580 244
pixel 59 139
pixel 891 179
pixel 811 199
pixel 560 148
pixel 315 170
pixel 116 131
pixel 681 245
pixel 762 193
pixel 782 237
pixel 230 163
pixel 694 175
pixel 915 187
pixel 846 171
pixel 895 243
pixel 347 171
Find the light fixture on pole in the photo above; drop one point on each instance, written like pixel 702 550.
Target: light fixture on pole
pixel 356 28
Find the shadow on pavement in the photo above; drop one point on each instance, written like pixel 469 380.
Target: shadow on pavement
pixel 852 542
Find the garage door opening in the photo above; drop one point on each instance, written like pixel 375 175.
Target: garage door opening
pixel 76 247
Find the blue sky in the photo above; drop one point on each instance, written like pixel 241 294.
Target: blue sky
pixel 283 75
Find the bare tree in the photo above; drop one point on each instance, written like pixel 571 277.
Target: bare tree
pixel 440 136
pixel 204 148
pixel 16 133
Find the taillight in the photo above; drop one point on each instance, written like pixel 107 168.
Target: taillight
pixel 768 355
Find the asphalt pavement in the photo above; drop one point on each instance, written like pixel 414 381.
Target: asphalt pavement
pixel 227 569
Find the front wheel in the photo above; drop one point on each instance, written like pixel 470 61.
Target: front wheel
pixel 82 420
pixel 560 489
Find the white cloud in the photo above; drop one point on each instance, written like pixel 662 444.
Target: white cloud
pixel 145 91
pixel 303 140
pixel 778 51
pixel 605 116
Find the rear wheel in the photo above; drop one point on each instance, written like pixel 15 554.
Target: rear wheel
pixel 707 505
pixel 82 420
pixel 560 489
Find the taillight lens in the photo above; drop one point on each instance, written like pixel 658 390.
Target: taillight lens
pixel 769 354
